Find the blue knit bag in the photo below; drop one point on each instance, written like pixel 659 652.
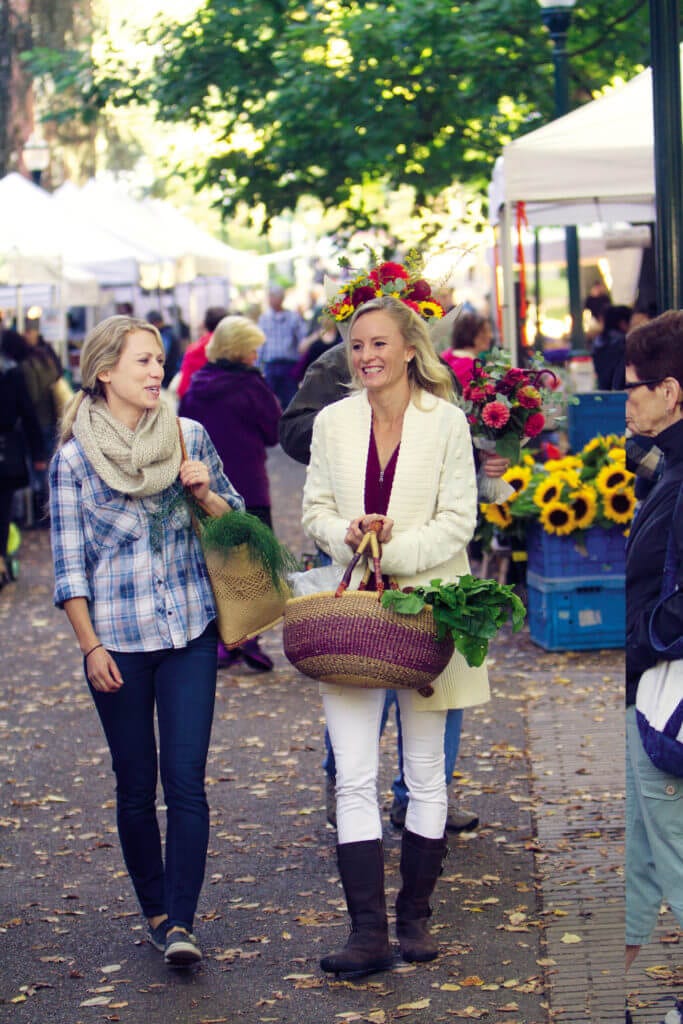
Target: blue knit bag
pixel 659 700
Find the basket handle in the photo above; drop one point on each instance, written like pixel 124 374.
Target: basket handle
pixel 370 540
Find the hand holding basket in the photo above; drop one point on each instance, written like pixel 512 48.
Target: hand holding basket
pixel 346 636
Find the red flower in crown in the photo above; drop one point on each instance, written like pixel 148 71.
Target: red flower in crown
pixel 362 294
pixel 419 291
pixel 388 272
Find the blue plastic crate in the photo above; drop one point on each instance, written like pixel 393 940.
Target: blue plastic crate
pixel 576 613
pixel 597 412
pixel 598 552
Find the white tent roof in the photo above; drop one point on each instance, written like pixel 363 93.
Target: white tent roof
pixel 595 164
pixel 39 239
pixel 185 250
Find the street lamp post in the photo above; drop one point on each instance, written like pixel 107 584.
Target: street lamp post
pixel 668 148
pixel 36 154
pixel 557 16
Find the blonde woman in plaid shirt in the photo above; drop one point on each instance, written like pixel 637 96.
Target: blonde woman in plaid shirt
pixel 131 578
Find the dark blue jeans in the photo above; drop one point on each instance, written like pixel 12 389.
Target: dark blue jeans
pixel 279 374
pixel 181 684
pixel 451 746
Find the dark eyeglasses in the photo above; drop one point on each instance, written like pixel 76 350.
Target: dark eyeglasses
pixel 630 385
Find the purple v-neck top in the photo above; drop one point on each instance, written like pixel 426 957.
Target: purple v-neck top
pixel 378 483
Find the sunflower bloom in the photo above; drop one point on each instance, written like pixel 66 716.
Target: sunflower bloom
pixel 549 490
pixel 558 518
pixel 612 477
pixel 584 505
pixel 498 515
pixel 619 505
pixel 617 455
pixel 518 477
pixel 430 310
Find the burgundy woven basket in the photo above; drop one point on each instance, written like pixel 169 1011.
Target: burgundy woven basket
pixel 354 641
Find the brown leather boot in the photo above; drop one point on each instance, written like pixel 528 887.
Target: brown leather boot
pixel 361 866
pixel 421 865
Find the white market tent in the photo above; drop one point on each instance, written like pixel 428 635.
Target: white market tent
pixel 594 165
pixel 185 251
pixel 43 240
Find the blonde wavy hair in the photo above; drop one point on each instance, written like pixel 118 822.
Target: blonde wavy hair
pixel 425 371
pixel 234 338
pixel 101 351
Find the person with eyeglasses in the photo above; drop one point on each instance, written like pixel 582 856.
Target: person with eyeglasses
pixel 654 799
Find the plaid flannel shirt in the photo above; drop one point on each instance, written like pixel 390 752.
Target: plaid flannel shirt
pixel 142 596
pixel 284 330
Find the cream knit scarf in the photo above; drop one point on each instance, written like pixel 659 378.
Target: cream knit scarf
pixel 136 462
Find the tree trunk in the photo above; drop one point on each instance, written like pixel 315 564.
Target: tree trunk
pixel 5 91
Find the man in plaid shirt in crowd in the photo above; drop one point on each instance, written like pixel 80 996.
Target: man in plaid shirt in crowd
pixel 284 330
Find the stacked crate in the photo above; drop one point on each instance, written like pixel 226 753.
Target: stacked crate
pixel 576 594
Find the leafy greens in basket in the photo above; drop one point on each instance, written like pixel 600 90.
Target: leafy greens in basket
pixel 471 611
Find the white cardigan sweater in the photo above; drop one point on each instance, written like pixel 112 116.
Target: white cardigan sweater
pixel 433 504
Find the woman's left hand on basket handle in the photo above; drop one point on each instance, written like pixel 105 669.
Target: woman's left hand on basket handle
pixel 358 527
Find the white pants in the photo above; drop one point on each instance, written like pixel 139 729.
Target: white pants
pixel 353 720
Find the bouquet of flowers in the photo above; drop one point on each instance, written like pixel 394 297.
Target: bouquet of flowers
pixel 567 495
pixel 403 281
pixel 504 403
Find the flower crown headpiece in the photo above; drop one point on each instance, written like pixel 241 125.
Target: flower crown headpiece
pixel 403 281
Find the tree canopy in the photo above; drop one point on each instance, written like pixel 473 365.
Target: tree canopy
pixel 319 97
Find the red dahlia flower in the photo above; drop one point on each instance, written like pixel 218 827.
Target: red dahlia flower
pixel 419 291
pixel 534 425
pixel 363 294
pixel 495 414
pixel 529 397
pixel 478 392
pixel 515 375
pixel 388 272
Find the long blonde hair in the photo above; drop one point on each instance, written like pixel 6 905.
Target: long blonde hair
pixel 425 370
pixel 101 351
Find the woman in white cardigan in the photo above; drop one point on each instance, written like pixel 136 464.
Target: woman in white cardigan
pixel 400 452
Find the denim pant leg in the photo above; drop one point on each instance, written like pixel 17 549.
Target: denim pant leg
pixel 127 718
pixel 186 689
pixel 451 745
pixel 654 839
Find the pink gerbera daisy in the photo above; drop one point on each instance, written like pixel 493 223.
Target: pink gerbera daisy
pixel 495 414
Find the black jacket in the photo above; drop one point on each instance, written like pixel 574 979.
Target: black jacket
pixel 645 554
pixel 16 408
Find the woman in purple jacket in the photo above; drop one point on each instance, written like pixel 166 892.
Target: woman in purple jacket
pixel 240 413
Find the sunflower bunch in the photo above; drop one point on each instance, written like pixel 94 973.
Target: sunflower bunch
pixel 570 494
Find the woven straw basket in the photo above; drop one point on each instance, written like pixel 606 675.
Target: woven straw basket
pixel 247 603
pixel 354 641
